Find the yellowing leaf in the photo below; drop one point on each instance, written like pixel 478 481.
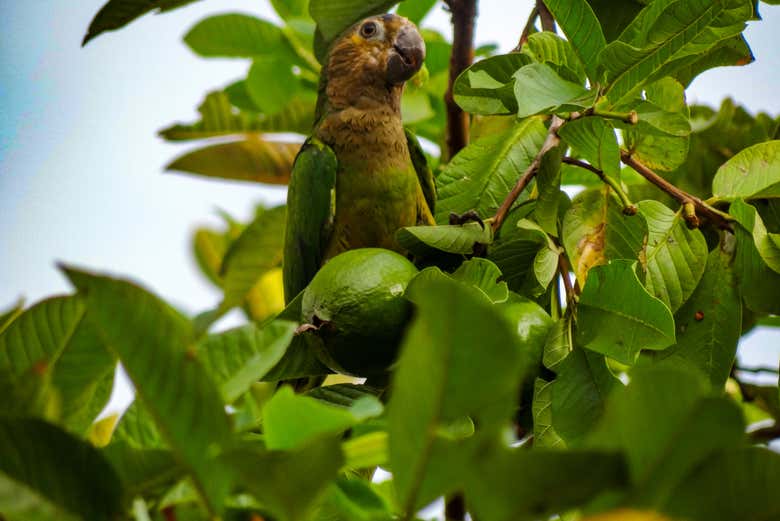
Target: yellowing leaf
pixel 626 514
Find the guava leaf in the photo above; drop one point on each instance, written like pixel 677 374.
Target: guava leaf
pixel 617 317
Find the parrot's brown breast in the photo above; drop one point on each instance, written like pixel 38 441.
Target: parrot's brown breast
pixel 376 185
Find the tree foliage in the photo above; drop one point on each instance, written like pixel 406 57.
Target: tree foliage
pixel 566 356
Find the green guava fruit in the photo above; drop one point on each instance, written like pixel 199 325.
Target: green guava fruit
pixel 355 304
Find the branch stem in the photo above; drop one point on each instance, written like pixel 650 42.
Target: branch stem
pixel 721 219
pixel 548 21
pixel 628 207
pixel 550 142
pixel 464 14
pixel 529 26
pixel 758 369
pixel 765 434
pixel 564 267
pixel 632 118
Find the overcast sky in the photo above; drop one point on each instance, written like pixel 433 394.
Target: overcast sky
pixel 80 163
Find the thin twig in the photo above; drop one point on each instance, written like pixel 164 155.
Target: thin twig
pixel 529 26
pixel 773 370
pixel 464 13
pixel 720 219
pixel 551 142
pixel 765 434
pixel 548 21
pixel 564 268
pixel 628 207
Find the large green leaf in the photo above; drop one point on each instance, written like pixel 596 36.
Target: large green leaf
pixel 544 433
pixel 115 14
pixel 253 159
pixel 733 51
pixel 416 10
pixel 594 139
pixel 517 247
pixel 710 323
pixel 343 395
pixel 559 342
pixel 487 87
pixel 617 317
pixel 683 29
pixel 83 378
pixel 540 90
pixel 37 338
pixel 458 239
pixel 758 283
pixel 482 174
pixel 143 471
pixel 137 429
pixel 239 357
pixel 665 112
pixel 666 424
pixel 614 17
pixel 595 231
pixel 438 384
pixel 256 251
pixel 548 184
pixel 287 483
pixel 675 257
pixel 300 361
pixel 47 474
pixel 271 97
pixel 753 173
pixel 235 35
pixel 354 498
pixel 519 484
pixel 579 393
pixel 583 30
pixel 291 9
pixel 50 343
pixel 767 244
pixel 530 257
pixel 219 118
pixel 291 421
pixel 484 275
pixel 547 47
pixel 734 485
pixel 155 345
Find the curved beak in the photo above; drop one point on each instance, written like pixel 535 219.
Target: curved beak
pixel 407 55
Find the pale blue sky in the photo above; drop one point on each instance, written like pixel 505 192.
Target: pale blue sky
pixel 80 163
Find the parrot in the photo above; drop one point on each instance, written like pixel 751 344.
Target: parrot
pixel 360 176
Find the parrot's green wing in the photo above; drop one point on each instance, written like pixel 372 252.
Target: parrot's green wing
pixel 424 173
pixel 309 215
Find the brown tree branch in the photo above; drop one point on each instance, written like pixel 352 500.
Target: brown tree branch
pixel 529 26
pixel 548 22
pixel 564 267
pixel 765 434
pixel 464 13
pixel 550 142
pixel 628 207
pixel 692 205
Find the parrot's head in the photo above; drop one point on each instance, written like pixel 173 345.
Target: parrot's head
pixel 372 60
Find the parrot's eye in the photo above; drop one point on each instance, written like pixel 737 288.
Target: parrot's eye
pixel 368 29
